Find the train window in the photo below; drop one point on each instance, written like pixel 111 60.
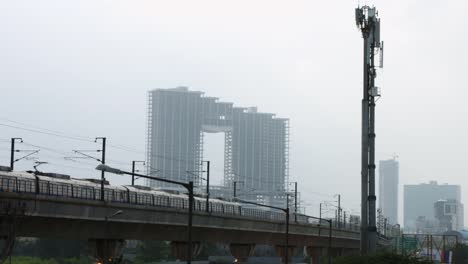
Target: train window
pixel 122 196
pixel 157 201
pixel 25 186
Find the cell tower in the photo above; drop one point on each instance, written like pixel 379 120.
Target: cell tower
pixel 368 22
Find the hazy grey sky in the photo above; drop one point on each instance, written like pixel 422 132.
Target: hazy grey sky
pixel 84 67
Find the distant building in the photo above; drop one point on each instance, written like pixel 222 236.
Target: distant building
pixel 449 214
pixel 256 150
pixel 419 203
pixel 388 189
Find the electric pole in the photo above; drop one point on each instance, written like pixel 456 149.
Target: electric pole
pixel 235 189
pixel 344 219
pixel 208 185
pixel 320 211
pixel 12 154
pixel 103 161
pixel 295 201
pixel 339 210
pixel 320 217
pixel 133 169
pixel 286 250
pixel 368 22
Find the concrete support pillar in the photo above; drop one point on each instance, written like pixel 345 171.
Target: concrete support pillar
pixel 280 252
pixel 179 249
pixel 350 252
pixel 106 251
pixel 7 249
pixel 241 251
pixel 315 255
pixel 337 252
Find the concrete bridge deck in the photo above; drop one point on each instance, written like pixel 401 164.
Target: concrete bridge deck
pixel 61 217
pixel 33 206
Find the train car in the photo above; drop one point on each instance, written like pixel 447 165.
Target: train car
pixel 60 185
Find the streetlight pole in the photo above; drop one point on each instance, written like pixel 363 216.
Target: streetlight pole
pixel 286 210
pixel 188 186
pixel 133 170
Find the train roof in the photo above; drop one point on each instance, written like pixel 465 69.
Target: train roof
pixel 95 183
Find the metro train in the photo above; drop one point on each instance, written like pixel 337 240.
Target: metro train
pixel 53 184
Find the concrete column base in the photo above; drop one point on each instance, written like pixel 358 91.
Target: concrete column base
pixel 315 255
pixel 241 251
pixel 7 249
pixel 179 249
pixel 337 252
pixel 106 251
pixel 280 252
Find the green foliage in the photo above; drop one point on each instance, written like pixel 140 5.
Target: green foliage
pixel 55 248
pixel 384 258
pixel 460 254
pixel 49 251
pixel 152 251
pixel 36 260
pixel 49 248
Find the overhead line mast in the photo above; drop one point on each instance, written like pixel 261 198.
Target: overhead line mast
pixel 368 22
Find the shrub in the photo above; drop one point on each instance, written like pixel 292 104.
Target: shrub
pixel 384 258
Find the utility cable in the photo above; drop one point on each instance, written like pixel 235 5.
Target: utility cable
pixel 46 133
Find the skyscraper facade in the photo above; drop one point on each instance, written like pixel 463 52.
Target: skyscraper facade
pixel 256 150
pixel 388 189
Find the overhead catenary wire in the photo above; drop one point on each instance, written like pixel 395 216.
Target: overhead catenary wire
pixel 76 137
pixel 83 139
pixel 46 133
pixel 69 154
pixel 90 167
pixel 72 167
